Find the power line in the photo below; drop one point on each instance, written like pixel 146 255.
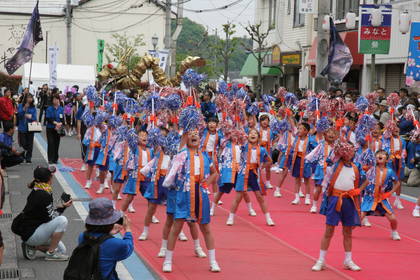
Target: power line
pixel 214 9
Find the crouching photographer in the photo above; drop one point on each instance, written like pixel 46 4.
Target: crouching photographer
pixel 40 225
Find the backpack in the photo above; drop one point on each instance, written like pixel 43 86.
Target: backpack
pixel 84 261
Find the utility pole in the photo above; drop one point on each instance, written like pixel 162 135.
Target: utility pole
pixel 168 37
pixel 373 65
pixel 179 22
pixel 321 82
pixel 68 28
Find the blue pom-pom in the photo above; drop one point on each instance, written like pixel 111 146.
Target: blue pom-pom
pixel 88 118
pixel 120 98
pixel 241 94
pixel 253 109
pixel 362 103
pixel 267 99
pixel 361 135
pixel 121 133
pixel 154 137
pixel 223 87
pixel 313 104
pixel 191 78
pixel 323 124
pixel 173 102
pixel 108 107
pixel 366 123
pixel 290 99
pixel 101 117
pixel 189 118
pixel 153 99
pixel 132 138
pixel 93 96
pixel 278 126
pixel 171 143
pixel 368 158
pixel 115 121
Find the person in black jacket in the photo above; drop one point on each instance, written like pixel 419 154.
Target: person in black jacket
pixel 42 225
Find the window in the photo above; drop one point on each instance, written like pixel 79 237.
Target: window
pixel 272 10
pixel 298 18
pixel 342 7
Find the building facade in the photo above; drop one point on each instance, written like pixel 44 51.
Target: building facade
pixel 92 20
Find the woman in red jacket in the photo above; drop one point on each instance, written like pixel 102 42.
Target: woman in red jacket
pixel 7 110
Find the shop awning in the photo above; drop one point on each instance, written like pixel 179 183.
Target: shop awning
pixel 349 38
pixel 250 68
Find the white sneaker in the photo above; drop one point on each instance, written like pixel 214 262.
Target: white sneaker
pixel 296 201
pixel 307 201
pixel 214 267
pixel 277 193
pixel 162 252
pixel 301 194
pixel 366 223
pixel 100 190
pixel 314 209
pixel 395 236
pixel 131 209
pixel 211 211
pixel 274 168
pixel 416 213
pixel 200 253
pixel 220 202
pixel 143 236
pixel 119 197
pixel 229 221
pixel 106 184
pixel 268 185
pixel 252 212
pixel 83 168
pixel 155 220
pixel 88 184
pixel 182 236
pixel 270 222
pixel 167 267
pixel 318 266
pixel 398 204
pixel 350 265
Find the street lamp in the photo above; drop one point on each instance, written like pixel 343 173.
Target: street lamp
pixel 155 40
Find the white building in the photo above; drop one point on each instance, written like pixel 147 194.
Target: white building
pixel 293 41
pixel 92 20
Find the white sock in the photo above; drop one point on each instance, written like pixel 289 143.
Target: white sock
pixel 114 203
pixel 268 182
pixel 347 256
pixel 277 188
pixel 212 255
pixel 314 202
pixel 249 205
pixel 213 205
pixel 397 198
pixel 146 229
pixel 130 205
pixel 267 216
pixel 394 231
pixel 168 256
pixel 88 181
pixel 101 186
pixel 297 196
pixel 197 243
pixel 164 243
pixel 308 196
pixel 231 215
pixel 322 254
pixel 417 207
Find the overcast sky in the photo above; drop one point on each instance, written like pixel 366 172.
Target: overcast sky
pixel 241 13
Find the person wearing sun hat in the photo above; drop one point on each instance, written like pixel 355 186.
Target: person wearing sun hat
pixel 104 219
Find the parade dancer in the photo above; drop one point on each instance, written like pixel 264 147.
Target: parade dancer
pixel 266 138
pixel 413 161
pixel 121 153
pixel 253 158
pixel 380 184
pixel 302 145
pixel 91 141
pixel 142 155
pixel 102 162
pixel 230 161
pixel 395 146
pixel 341 203
pixel 210 143
pixel 189 172
pixel 319 156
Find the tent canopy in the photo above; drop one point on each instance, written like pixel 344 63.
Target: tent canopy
pixel 67 75
pixel 250 68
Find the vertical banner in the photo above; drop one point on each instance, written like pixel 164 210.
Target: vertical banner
pixel 375 40
pixel 101 47
pixel 52 58
pixel 413 59
pixel 163 60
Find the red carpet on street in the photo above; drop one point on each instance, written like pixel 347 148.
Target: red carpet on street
pixel 252 250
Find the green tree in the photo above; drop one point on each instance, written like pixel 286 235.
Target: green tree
pixel 124 46
pixel 259 37
pixel 225 48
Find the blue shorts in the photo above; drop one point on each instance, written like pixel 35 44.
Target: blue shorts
pixel 182 210
pixel 348 214
pixel 253 184
pixel 226 187
pixel 282 161
pixel 162 192
pixel 100 162
pixel 171 201
pixel 117 175
pixel 130 186
pixel 92 162
pixel 112 164
pixel 296 169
